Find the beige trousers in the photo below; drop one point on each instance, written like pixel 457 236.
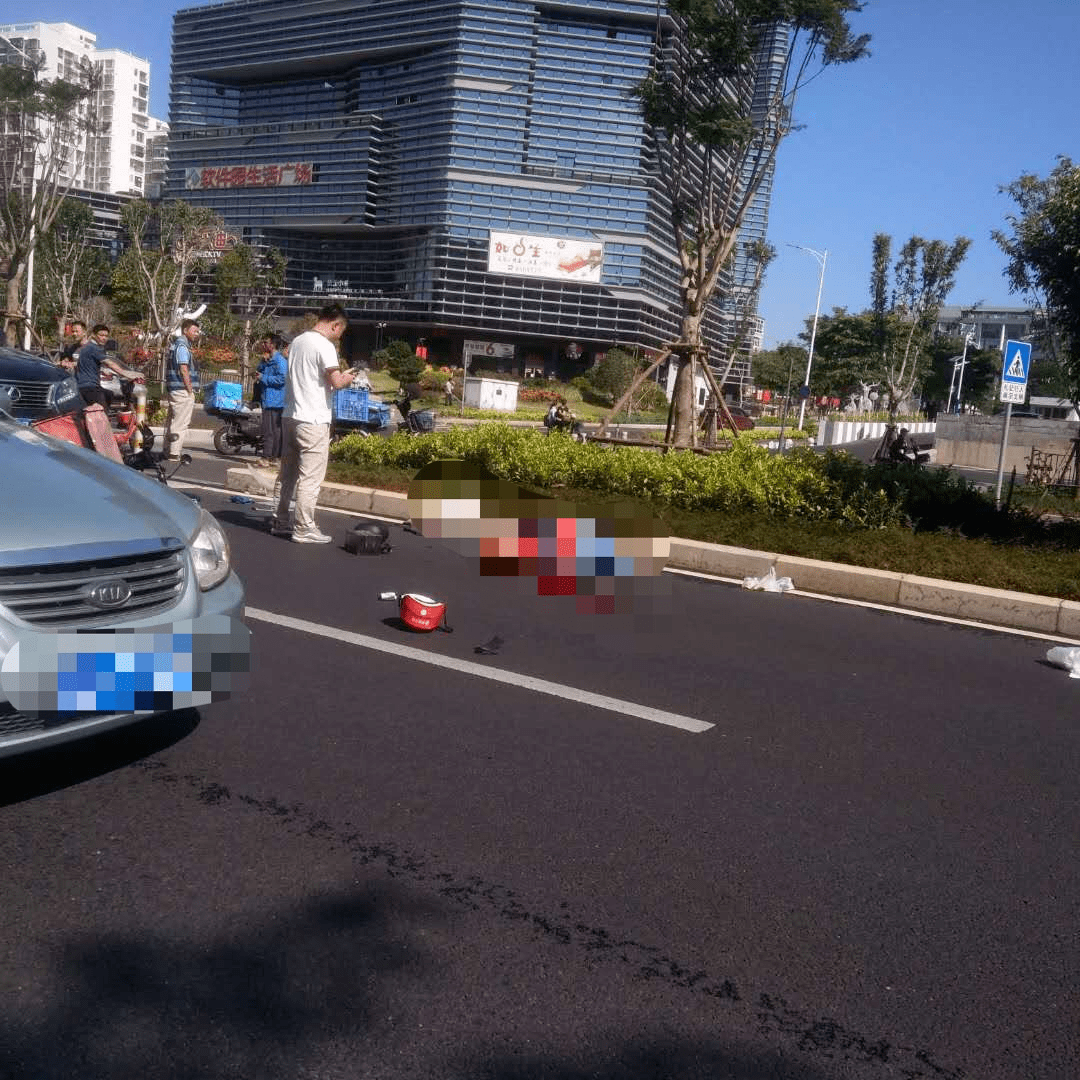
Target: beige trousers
pixel 304 457
pixel 181 406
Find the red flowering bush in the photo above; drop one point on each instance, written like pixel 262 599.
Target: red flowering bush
pixel 536 396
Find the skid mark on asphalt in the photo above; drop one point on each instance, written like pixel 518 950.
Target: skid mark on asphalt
pixel 525 682
pixel 771 1015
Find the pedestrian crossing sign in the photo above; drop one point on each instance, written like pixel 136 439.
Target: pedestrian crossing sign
pixel 1014 371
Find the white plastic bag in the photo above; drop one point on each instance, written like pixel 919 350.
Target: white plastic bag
pixel 769 583
pixel 1069 659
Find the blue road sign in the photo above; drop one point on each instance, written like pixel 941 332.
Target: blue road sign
pixel 1014 371
pixel 1017 361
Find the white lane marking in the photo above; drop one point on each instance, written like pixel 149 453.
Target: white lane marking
pixel 929 616
pixel 527 682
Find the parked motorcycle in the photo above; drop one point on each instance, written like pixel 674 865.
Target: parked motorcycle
pixel 240 428
pixel 897 447
pixel 418 423
pixel 413 422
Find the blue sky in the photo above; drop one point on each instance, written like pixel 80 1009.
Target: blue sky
pixel 959 97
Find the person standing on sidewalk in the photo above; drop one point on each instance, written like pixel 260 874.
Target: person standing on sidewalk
pixel 181 382
pixel 314 373
pixel 271 377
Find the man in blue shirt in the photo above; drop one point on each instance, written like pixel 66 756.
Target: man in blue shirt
pixel 271 377
pixel 181 382
pixel 91 356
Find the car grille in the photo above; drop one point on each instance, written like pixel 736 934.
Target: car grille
pixel 13 722
pixel 28 395
pixel 56 596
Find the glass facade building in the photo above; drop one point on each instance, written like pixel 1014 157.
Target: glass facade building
pixel 379 145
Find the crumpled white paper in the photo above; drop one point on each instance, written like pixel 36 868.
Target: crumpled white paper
pixel 1069 659
pixel 769 583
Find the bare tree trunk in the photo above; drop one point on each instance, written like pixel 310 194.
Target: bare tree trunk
pixel 681 431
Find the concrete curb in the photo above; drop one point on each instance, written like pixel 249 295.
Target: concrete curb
pixel 996 607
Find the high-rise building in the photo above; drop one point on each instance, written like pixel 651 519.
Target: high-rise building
pixel 476 175
pixel 112 161
pixel 157 158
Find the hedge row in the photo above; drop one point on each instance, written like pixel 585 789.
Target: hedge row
pixel 800 484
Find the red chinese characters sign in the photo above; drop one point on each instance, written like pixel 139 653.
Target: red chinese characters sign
pixel 249 176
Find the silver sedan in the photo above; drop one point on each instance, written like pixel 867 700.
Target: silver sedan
pixel 117 595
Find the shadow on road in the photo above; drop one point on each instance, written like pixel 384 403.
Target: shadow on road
pixel 642 1058
pixel 305 992
pixel 259 520
pixel 269 1000
pixel 29 775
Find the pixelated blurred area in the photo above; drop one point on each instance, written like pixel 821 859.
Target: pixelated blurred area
pixel 183 665
pixel 610 559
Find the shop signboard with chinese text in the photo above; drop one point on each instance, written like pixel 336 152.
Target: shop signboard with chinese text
pixel 487 348
pixel 211 244
pixel 294 174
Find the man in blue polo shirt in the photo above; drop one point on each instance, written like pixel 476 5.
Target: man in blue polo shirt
pixel 181 382
pixel 91 357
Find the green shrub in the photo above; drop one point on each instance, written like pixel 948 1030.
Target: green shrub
pixel 433 381
pixel 401 361
pixel 748 477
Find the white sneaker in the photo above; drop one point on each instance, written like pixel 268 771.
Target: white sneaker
pixel 311 536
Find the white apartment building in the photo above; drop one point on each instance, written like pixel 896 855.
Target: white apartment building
pixel 114 162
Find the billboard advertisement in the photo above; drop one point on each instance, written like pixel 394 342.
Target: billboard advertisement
pixel 551 257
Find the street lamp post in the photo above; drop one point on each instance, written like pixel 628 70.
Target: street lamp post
pixel 963 364
pixel 955 361
pixel 821 256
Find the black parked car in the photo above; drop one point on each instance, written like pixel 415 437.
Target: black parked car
pixel 37 388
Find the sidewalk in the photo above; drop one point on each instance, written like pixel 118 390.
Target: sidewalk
pixel 997 607
pixel 199 438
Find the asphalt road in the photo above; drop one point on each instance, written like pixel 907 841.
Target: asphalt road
pixel 369 865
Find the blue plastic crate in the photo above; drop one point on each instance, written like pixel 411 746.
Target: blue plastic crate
pixel 224 395
pixel 379 411
pixel 350 404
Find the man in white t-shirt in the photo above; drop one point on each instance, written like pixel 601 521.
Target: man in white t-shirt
pixel 313 376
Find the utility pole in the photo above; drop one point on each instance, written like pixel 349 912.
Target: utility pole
pixel 821 256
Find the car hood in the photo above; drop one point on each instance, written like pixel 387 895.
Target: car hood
pixel 60 495
pixel 20 367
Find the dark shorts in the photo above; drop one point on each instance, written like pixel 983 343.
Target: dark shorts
pixel 94 395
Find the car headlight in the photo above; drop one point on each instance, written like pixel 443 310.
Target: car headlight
pixel 210 553
pixel 64 391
